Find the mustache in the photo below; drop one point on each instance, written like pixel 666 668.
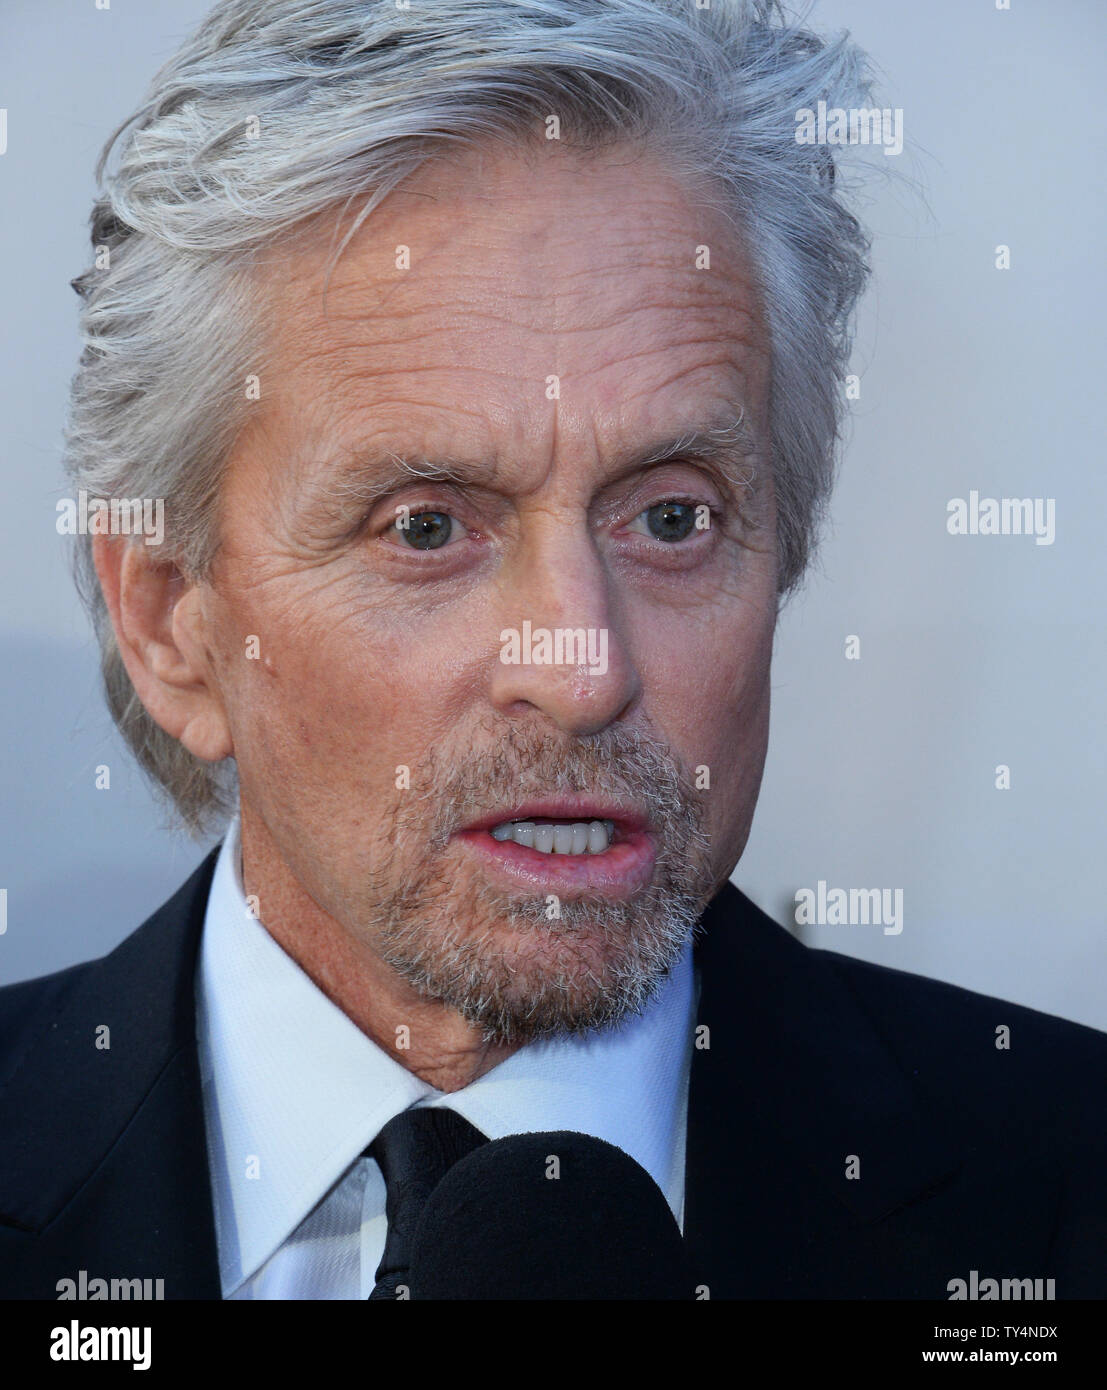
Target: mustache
pixel 519 763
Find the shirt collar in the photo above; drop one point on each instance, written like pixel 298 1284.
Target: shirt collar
pixel 294 1091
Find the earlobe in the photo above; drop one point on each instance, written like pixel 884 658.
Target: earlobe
pixel 154 612
pixel 207 732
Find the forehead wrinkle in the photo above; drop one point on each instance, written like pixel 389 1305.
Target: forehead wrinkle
pixel 409 309
pixel 331 363
pixel 423 309
pixel 397 300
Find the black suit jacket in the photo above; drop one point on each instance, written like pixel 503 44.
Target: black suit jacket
pixel 969 1157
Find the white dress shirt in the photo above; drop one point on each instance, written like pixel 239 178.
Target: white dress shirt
pixel 294 1092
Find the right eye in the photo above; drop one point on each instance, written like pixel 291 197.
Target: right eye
pixel 423 529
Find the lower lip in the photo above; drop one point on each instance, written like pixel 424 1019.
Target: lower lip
pixel 622 870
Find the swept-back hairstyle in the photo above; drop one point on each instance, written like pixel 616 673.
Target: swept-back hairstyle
pixel 276 110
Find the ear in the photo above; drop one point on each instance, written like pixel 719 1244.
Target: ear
pixel 160 624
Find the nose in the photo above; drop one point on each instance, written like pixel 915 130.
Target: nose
pixel 559 650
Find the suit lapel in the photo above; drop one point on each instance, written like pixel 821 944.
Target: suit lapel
pixel 109 1172
pixel 794 1081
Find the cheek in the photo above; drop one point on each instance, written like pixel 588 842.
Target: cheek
pixel 709 693
pixel 320 708
pixel 711 678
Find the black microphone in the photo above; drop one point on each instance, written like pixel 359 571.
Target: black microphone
pixel 548 1216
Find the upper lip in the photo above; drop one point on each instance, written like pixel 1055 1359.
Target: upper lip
pixel 626 818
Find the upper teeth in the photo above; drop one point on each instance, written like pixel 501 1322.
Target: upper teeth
pixel 557 837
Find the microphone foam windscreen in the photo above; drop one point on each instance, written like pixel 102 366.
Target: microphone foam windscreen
pixel 548 1216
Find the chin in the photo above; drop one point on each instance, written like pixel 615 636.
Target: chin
pixel 519 982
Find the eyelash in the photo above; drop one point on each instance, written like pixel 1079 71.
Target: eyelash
pixel 414 511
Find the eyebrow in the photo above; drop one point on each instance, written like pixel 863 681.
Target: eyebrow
pixel 368 476
pixel 722 442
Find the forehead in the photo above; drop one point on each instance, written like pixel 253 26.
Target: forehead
pixel 516 296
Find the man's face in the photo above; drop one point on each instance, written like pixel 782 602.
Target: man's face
pixel 556 326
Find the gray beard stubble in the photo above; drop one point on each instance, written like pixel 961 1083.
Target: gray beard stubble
pixel 639 940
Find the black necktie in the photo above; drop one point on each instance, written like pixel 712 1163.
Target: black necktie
pixel 414 1149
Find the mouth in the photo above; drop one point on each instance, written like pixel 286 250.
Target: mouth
pixel 566 844
pixel 563 826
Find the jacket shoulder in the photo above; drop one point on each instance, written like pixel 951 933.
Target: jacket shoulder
pixel 986 1056
pixel 25 1002
pixel 29 1009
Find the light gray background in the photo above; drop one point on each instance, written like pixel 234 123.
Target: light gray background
pixel 975 650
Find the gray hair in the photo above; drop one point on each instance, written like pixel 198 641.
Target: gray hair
pixel 276 110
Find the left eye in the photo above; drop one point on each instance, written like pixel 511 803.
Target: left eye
pixel 668 521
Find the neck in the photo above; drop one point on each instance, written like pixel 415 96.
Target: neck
pixel 432 1041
